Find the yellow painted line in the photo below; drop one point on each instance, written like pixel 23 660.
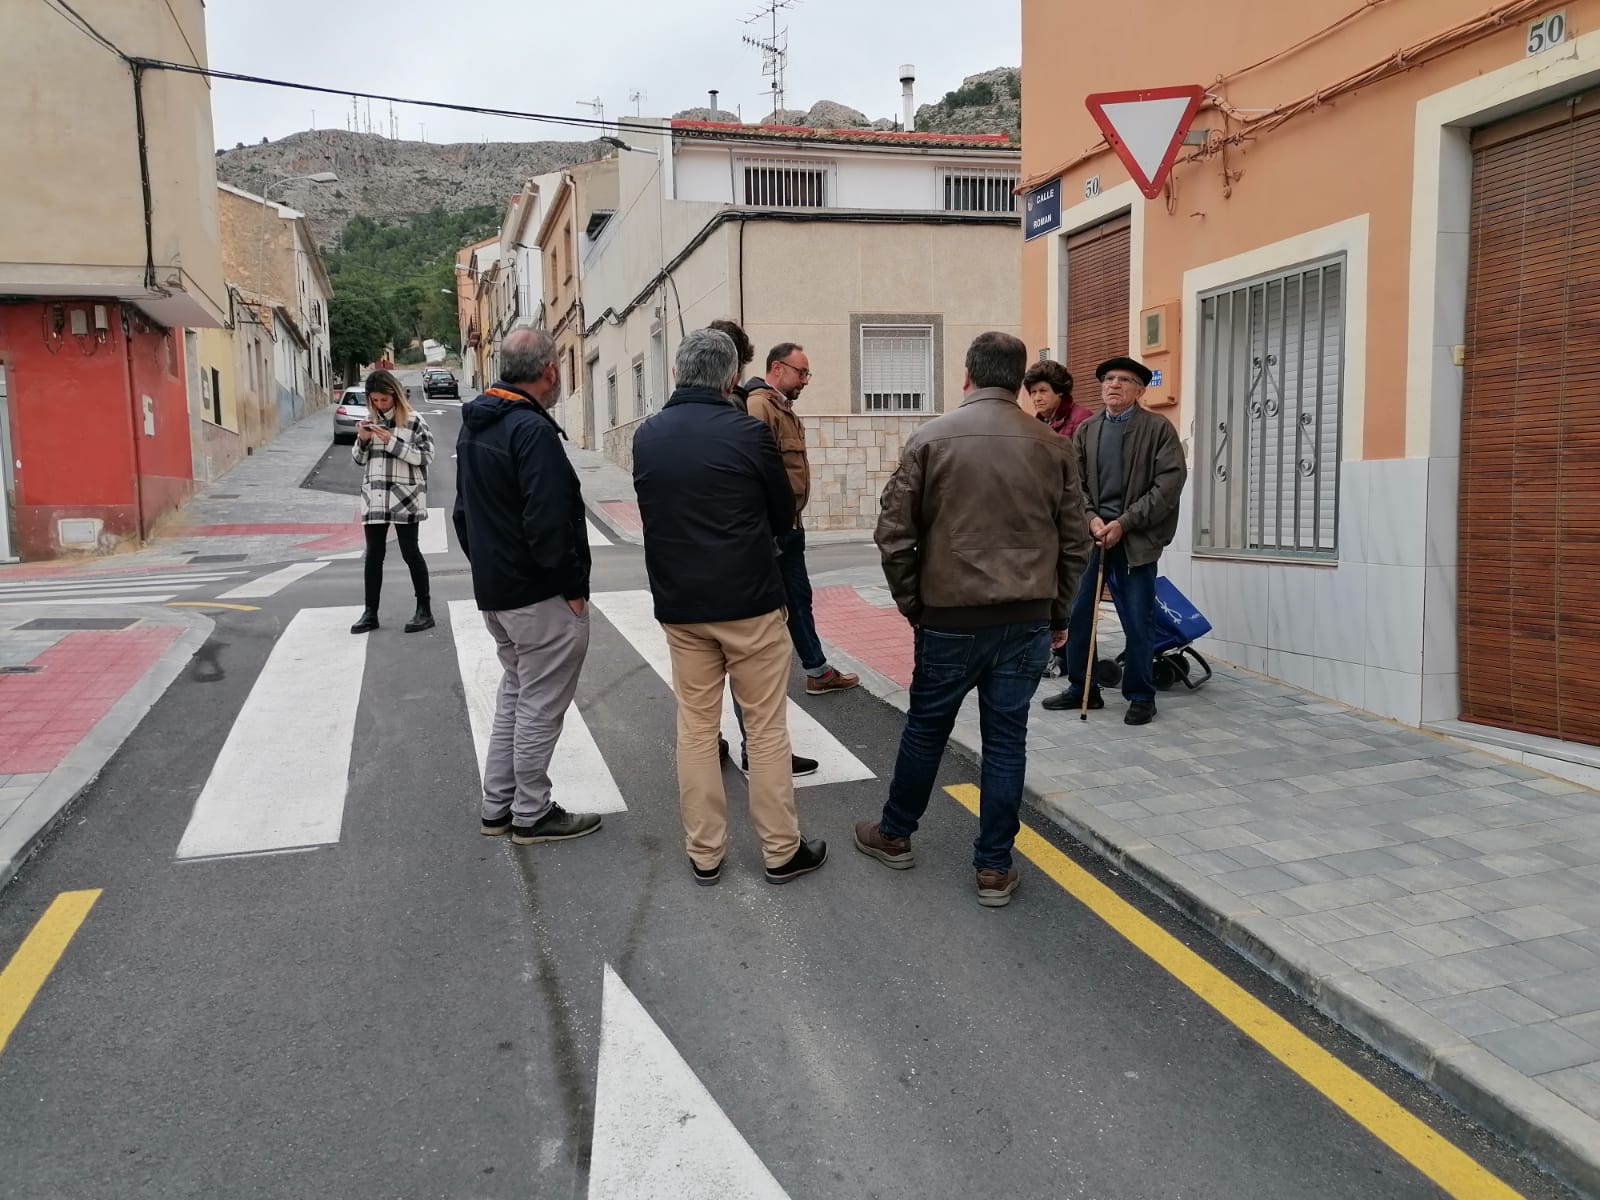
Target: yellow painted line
pixel 1384 1118
pixel 31 965
pixel 211 604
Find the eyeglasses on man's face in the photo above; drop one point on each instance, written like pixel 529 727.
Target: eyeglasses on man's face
pixel 803 372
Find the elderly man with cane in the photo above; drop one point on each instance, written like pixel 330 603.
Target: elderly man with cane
pixel 1131 463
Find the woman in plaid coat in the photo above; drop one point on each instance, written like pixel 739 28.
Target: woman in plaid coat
pixel 395 446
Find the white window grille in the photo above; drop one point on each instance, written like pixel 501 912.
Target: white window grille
pixel 1270 409
pixel 786 183
pixel 897 368
pixel 611 397
pixel 638 387
pixel 982 189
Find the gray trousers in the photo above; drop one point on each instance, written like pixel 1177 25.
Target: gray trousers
pixel 542 648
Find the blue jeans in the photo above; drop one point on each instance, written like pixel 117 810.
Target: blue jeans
pixel 1134 591
pixel 797 590
pixel 1004 663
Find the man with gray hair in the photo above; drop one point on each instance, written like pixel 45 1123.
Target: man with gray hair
pixel 519 519
pixel 713 495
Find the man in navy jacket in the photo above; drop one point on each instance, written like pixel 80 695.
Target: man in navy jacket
pixel 713 496
pixel 519 519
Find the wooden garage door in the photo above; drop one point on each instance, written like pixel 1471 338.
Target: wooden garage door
pixel 1097 302
pixel 1530 429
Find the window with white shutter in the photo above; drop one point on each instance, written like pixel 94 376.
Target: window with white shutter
pixel 1270 408
pixel 897 368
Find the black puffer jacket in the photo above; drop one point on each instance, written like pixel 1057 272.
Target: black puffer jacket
pixel 713 496
pixel 519 507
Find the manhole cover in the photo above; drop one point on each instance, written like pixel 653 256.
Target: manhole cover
pixel 217 558
pixel 30 669
pixel 46 623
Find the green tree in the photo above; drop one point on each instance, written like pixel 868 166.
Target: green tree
pixel 359 327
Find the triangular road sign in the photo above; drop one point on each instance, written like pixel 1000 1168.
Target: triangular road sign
pixel 657 1131
pixel 1146 128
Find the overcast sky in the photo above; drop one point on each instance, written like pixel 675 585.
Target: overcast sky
pixel 533 55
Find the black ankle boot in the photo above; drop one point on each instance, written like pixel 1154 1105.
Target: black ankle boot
pixel 367 623
pixel 422 619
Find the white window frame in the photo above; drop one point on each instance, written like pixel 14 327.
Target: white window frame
pixel 985 189
pixel 814 181
pixel 1270 410
pixel 641 401
pixel 881 401
pixel 611 399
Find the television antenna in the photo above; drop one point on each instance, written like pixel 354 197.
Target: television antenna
pixel 637 99
pixel 596 106
pixel 774 48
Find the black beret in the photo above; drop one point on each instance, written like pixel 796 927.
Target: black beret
pixel 1131 365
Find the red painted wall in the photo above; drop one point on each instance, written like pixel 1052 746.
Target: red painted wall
pixel 77 427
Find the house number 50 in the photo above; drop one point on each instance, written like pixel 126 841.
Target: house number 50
pixel 1547 32
pixel 1091 187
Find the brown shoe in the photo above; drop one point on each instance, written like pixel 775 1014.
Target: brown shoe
pixel 830 681
pixel 995 887
pixel 890 851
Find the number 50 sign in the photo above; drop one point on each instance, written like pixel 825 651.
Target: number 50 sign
pixel 1546 32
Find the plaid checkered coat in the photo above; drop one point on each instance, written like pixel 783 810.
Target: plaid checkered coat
pixel 395 488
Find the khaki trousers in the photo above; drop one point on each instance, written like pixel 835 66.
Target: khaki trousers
pixel 755 654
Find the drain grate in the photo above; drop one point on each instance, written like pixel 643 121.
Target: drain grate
pixel 217 558
pixel 28 669
pixel 224 495
pixel 55 623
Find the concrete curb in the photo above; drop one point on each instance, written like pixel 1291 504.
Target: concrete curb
pixel 626 537
pixel 45 809
pixel 1531 1119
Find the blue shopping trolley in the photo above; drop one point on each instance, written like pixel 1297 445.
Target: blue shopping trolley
pixel 1177 625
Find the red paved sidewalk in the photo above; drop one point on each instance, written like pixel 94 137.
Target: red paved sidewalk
pixel 876 637
pixel 44 715
pixel 625 513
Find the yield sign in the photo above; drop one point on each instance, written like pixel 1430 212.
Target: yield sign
pixel 1146 128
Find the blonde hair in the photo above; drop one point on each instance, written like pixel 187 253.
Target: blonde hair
pixel 384 381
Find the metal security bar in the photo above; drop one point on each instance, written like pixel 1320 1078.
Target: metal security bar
pixel 786 183
pixel 611 398
pixel 897 368
pixel 1271 406
pixel 980 189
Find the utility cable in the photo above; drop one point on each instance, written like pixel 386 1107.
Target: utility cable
pixel 70 15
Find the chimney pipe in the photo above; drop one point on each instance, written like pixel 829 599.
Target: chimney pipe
pixel 908 76
pixel 714 113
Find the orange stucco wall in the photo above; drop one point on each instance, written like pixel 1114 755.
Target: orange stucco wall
pixel 1346 158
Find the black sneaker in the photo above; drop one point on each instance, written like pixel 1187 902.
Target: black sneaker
pixel 723 753
pixel 807 859
pixel 798 765
pixel 495 826
pixel 557 825
pixel 1071 700
pixel 704 877
pixel 1140 712
pixel 367 622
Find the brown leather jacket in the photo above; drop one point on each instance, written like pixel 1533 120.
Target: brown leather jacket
pixel 766 405
pixel 1152 460
pixel 982 522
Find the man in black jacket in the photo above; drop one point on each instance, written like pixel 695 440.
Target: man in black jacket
pixel 713 495
pixel 519 519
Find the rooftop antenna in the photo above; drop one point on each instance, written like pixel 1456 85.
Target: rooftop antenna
pixel 775 48
pixel 637 98
pixel 597 107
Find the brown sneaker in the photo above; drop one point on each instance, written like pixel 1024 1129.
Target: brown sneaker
pixel 995 887
pixel 830 681
pixel 890 851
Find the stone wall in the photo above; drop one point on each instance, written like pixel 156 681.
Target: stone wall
pixel 617 444
pixel 852 458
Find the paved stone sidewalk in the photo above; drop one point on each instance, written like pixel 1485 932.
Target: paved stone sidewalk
pixel 75 681
pixel 1441 903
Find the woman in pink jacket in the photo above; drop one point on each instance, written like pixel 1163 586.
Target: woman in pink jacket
pixel 1049 386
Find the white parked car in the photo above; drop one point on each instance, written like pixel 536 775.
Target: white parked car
pixel 348 413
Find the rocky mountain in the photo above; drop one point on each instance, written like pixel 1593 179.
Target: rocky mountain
pixel 387 179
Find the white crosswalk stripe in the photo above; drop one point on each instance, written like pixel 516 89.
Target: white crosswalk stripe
pixel 632 614
pixel 580 780
pixel 433 536
pixel 273 583
pixel 79 589
pixel 596 536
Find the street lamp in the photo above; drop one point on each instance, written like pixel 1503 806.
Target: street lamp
pixel 619 144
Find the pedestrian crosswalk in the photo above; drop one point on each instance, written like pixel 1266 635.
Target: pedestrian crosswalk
pixel 155 587
pixel 281 781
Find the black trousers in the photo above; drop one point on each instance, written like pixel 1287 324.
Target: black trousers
pixel 377 540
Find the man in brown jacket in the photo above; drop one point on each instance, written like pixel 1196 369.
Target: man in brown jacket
pixel 1133 472
pixel 772 400
pixel 983 543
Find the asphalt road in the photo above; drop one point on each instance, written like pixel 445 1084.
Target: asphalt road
pixel 416 1011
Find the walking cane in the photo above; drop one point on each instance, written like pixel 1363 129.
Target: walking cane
pixel 1094 626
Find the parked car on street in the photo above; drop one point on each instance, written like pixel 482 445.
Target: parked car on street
pixel 348 413
pixel 436 381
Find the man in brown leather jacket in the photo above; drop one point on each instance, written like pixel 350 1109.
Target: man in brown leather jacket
pixel 983 543
pixel 771 400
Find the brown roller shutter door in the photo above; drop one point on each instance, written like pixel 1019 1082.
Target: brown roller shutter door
pixel 1097 302
pixel 1530 429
